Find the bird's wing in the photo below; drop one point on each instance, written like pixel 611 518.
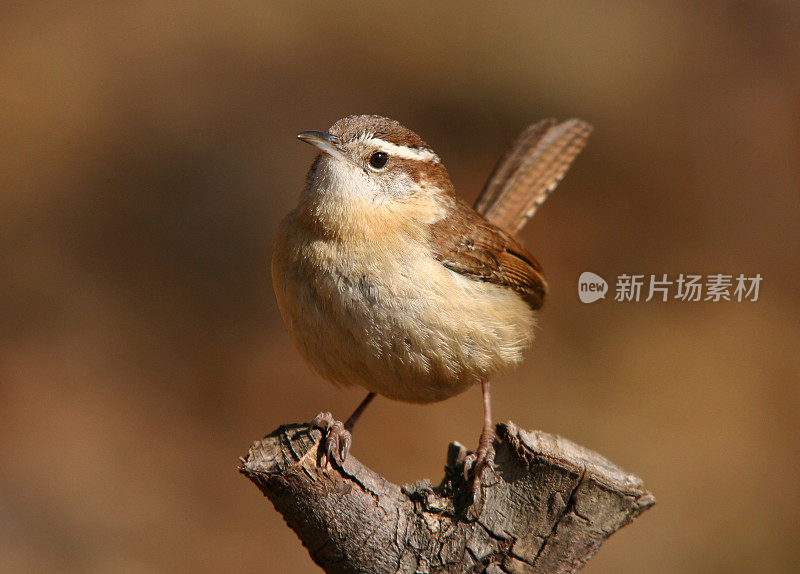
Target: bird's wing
pixel 468 244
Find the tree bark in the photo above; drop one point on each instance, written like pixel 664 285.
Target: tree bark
pixel 546 507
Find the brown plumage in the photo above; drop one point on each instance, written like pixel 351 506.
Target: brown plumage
pixel 469 244
pixel 529 171
pixel 358 126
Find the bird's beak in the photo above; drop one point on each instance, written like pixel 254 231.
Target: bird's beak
pixel 328 143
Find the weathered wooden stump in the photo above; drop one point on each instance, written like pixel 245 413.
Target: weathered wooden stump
pixel 546 507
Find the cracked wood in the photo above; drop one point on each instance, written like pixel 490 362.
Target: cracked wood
pixel 547 507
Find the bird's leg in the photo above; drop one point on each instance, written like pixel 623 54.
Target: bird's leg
pixel 338 438
pixel 485 454
pixel 351 422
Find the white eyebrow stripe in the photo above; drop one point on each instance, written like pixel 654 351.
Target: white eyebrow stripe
pixel 405 152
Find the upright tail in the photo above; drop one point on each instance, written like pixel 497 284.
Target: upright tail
pixel 529 171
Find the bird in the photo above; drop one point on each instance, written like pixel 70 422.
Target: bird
pixel 386 279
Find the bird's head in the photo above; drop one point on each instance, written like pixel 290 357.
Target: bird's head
pixel 373 170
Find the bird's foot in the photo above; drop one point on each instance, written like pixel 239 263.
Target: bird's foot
pixel 478 461
pixel 336 444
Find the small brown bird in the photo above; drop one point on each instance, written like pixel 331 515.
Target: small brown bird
pixel 388 280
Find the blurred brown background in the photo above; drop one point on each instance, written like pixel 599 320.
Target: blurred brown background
pixel 147 152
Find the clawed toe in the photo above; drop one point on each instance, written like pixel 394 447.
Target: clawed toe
pixel 476 463
pixel 323 421
pixel 336 445
pixel 469 462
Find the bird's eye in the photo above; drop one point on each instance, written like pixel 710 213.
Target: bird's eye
pixel 378 159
